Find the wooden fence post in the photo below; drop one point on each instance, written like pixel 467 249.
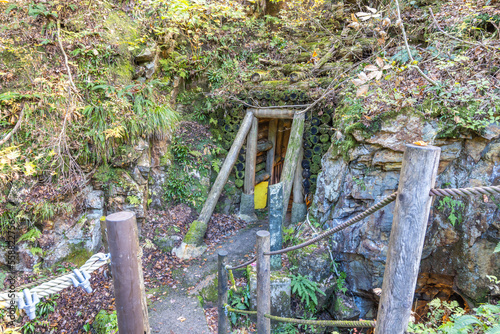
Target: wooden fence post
pixel 128 281
pixel 223 323
pixel 263 283
pixel 411 214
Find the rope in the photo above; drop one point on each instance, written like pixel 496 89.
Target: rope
pixel 493 190
pixel 241 265
pixel 62 282
pixel 433 192
pixel 361 216
pixel 326 323
pixel 230 309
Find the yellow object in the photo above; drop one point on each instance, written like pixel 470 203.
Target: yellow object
pixel 260 195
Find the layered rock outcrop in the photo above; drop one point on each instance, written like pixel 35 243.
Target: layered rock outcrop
pixel 462 232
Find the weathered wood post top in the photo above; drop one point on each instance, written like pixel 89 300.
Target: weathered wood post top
pixel 411 214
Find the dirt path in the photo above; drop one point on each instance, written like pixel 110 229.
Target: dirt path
pixel 180 312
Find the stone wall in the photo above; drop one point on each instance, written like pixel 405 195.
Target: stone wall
pixel 348 184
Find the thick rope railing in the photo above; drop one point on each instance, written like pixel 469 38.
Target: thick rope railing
pixel 242 265
pixel 62 282
pixel 384 202
pixel 493 190
pixel 327 323
pixel 387 200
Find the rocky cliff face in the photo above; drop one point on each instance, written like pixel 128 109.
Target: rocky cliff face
pixel 461 233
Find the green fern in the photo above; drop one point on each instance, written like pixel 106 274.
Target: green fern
pixel 31 235
pixel 306 290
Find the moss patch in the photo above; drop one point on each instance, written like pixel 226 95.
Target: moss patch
pixel 196 233
pixel 77 255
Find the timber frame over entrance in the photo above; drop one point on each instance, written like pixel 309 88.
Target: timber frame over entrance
pixel 291 173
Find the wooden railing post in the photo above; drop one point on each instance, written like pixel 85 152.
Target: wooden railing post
pixel 263 283
pixel 128 281
pixel 223 322
pixel 411 214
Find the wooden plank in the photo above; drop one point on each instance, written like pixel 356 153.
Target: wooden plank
pixel 263 283
pixel 279 138
pixel 128 280
pixel 291 158
pixel 298 193
pixel 411 214
pixel 251 156
pixel 225 170
pixel 273 113
pixel 271 136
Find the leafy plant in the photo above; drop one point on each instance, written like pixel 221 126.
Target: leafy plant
pixel 306 290
pixel 46 306
pixel 454 206
pixel 240 300
pixel 448 318
pixel 106 323
pixel 30 236
pixel 134 200
pixel 181 153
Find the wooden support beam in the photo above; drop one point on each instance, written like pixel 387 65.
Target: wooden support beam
pixel 271 136
pixel 273 113
pixel 299 208
pixel 279 138
pixel 291 158
pixel 298 194
pixel 126 268
pixel 251 156
pixel 247 203
pixel 411 214
pixel 225 170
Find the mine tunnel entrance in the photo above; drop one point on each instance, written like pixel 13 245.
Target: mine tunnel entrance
pixel 273 139
pixel 431 287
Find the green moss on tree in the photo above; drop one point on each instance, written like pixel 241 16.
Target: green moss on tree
pixel 196 233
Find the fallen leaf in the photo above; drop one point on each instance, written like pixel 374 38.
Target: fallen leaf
pixel 380 62
pixel 362 90
pixel 420 143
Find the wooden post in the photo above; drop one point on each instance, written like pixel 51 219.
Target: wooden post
pixel 247 204
pixel 263 283
pixel 279 139
pixel 299 208
pixel 251 156
pixel 273 113
pixel 128 281
pixel 291 158
pixel 273 125
pixel 225 170
pixel 411 214
pixel 223 322
pixel 275 222
pixel 104 237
